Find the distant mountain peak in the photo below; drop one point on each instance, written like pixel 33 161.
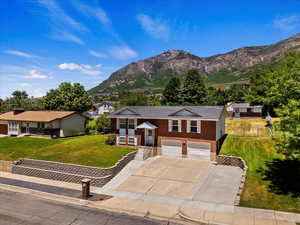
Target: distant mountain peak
pixel 155 71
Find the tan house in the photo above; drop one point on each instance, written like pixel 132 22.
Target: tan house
pixel 48 123
pixel 192 131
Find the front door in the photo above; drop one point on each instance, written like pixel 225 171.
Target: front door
pixel 149 137
pixel 237 113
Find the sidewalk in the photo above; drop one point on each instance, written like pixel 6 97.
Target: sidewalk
pixel 185 212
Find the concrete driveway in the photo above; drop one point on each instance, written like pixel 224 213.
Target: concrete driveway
pixel 184 179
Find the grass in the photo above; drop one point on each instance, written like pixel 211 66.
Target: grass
pixel 258 191
pixel 84 150
pixel 247 127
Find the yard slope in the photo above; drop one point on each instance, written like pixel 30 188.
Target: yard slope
pixel 267 184
pixel 83 150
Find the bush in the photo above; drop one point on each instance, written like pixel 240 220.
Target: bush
pixel 99 126
pixel 111 140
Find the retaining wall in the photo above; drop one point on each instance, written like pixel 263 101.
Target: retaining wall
pixel 69 172
pixel 238 162
pixel 5 166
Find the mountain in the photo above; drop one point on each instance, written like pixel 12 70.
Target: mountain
pixel 154 72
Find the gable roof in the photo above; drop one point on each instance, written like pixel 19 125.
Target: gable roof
pixel 36 116
pixel 169 112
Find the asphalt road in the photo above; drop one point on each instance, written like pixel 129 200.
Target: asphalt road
pixel 24 209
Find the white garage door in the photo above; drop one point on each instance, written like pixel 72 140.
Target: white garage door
pixel 171 148
pixel 200 150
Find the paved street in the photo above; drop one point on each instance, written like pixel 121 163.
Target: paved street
pixel 21 209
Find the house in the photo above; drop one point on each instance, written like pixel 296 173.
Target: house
pixel 100 109
pixel 46 123
pixel 192 131
pixel 239 110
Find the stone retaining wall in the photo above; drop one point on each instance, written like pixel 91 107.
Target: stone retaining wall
pixel 5 166
pixel 69 172
pixel 238 162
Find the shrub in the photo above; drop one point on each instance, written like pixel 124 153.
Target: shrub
pixel 111 140
pixel 101 125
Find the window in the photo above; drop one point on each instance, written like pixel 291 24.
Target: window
pixel 41 125
pixel 194 126
pixel 175 126
pixel 131 124
pixel 123 124
pixel 131 140
pixel 249 110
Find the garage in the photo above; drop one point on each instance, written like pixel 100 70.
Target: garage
pixel 171 148
pixel 200 150
pixel 3 128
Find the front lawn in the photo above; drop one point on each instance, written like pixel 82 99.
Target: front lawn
pixel 84 150
pixel 272 181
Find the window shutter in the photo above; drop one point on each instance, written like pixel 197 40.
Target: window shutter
pixel 188 126
pixel 170 125
pixel 199 126
pixel 179 125
pixel 118 123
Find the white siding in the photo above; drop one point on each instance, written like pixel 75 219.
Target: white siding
pixel 72 125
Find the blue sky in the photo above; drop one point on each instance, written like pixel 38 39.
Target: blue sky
pixel 45 42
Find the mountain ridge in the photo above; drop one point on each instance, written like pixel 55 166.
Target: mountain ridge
pixel 153 72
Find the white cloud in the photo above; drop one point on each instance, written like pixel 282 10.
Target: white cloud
pixel 34 74
pixel 66 36
pixel 123 52
pixel 97 54
pixel 155 27
pixel 288 23
pixel 85 68
pixel 24 84
pixel 69 66
pixel 20 53
pixel 92 11
pixel 58 16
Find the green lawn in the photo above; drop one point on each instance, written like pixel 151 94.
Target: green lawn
pixel 268 185
pixel 84 150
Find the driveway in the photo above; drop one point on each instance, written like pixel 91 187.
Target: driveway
pixel 184 179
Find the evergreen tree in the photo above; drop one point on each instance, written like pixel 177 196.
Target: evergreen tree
pixel 194 91
pixel 171 93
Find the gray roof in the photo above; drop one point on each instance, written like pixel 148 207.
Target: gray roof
pixel 169 112
pixel 244 105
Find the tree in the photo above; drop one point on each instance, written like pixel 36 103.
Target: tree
pixel 171 93
pixel 194 90
pixel 235 93
pixel 288 141
pixel 127 98
pixel 101 125
pixel 273 84
pixel 68 97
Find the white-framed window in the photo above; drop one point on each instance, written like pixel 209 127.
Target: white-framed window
pixel 131 123
pixel 175 126
pixel 122 140
pixel 131 140
pixel 193 126
pixel 122 124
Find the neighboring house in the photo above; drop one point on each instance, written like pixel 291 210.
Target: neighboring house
pixel 244 110
pixel 100 109
pixel 48 123
pixel 195 131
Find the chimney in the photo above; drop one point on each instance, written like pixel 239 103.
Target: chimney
pixel 17 111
